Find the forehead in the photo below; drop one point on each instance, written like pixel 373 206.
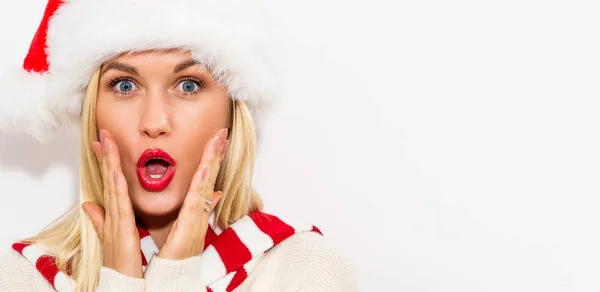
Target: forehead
pixel 160 61
pixel 171 56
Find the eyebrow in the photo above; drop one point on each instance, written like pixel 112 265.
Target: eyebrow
pixel 128 69
pixel 120 67
pixel 184 65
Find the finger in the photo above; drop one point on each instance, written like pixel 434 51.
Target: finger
pixel 211 152
pixel 215 156
pixel 126 219
pixel 111 204
pixel 124 208
pixel 173 228
pixel 200 190
pixel 197 221
pixel 215 166
pixel 194 201
pixel 109 150
pixel 216 198
pixel 96 214
pixel 222 134
pixel 213 146
pixel 97 147
pixel 108 223
pixel 105 177
pixel 115 158
pixel 225 147
pixel 103 166
pixel 213 171
pixel 198 179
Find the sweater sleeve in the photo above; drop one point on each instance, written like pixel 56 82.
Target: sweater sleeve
pixel 303 262
pixel 111 280
pixel 18 274
pixel 308 262
pixel 172 276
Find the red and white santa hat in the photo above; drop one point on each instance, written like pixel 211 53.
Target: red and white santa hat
pixel 76 36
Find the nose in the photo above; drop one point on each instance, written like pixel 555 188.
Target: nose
pixel 155 119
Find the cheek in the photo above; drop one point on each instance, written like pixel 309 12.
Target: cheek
pixel 197 124
pixel 194 133
pixel 119 122
pixel 107 115
pixel 189 160
pixel 194 129
pixel 115 117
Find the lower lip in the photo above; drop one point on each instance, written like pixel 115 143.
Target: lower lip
pixel 155 184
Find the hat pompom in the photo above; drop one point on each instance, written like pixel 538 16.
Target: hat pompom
pixel 23 105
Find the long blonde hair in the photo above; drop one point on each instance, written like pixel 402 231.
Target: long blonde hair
pixel 72 239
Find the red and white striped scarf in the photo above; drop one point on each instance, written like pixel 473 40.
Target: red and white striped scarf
pixel 228 257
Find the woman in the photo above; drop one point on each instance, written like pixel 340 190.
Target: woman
pixel 167 94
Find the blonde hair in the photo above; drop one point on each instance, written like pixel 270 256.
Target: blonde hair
pixel 72 238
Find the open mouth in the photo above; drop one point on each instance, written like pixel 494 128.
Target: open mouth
pixel 155 169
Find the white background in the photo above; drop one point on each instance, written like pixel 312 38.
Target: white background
pixel 441 145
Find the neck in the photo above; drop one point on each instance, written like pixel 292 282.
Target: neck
pixel 159 226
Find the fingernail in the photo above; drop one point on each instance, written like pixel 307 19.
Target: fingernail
pixel 95 147
pixel 103 140
pixel 223 135
pixel 106 145
pixel 217 144
pixel 225 132
pixel 225 147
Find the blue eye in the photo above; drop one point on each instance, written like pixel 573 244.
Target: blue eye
pixel 125 86
pixel 188 86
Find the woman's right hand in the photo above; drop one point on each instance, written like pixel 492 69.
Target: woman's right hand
pixel 115 223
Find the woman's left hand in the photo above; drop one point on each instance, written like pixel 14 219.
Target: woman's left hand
pixel 187 235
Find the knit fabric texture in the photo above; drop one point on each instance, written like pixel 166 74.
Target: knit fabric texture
pixel 303 262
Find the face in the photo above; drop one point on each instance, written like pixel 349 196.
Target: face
pixel 160 104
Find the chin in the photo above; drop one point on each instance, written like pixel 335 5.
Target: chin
pixel 161 203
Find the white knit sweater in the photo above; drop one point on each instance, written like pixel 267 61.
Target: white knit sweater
pixel 303 262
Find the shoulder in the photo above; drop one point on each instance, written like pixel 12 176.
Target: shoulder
pixel 18 274
pixel 309 262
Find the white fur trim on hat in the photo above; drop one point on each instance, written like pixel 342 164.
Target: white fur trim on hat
pixel 231 37
pixel 23 107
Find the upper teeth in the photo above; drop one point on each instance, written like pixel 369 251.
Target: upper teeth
pixel 156 175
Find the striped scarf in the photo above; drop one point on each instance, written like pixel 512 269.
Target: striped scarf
pixel 228 256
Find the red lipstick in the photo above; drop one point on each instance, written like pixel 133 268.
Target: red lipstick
pixel 155 169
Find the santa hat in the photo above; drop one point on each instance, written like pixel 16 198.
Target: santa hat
pixel 76 36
